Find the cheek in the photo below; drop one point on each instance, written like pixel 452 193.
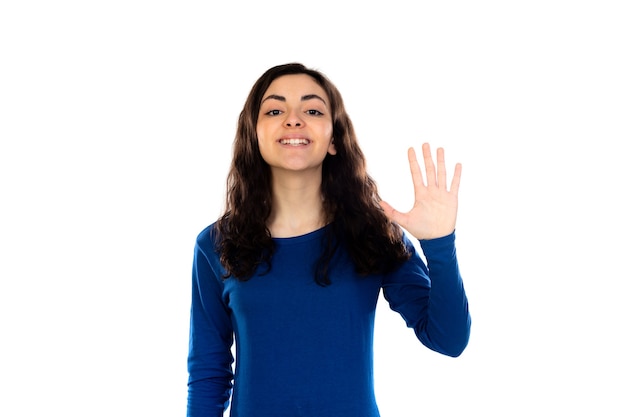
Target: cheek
pixel 261 144
pixel 263 131
pixel 260 135
pixel 329 128
pixel 328 131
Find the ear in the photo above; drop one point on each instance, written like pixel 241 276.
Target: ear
pixel 331 147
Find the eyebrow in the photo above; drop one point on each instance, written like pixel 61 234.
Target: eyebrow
pixel 303 98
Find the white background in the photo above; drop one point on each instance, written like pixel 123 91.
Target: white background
pixel 116 122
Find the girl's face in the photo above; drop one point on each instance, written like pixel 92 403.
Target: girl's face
pixel 294 127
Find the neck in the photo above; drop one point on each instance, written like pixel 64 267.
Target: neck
pixel 296 205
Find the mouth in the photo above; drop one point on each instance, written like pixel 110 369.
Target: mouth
pixel 294 142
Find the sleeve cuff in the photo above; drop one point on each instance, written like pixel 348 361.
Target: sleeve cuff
pixel 438 246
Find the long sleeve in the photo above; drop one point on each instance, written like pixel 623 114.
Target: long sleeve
pixel 210 340
pixel 431 299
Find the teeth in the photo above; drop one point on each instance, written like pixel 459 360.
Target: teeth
pixel 294 141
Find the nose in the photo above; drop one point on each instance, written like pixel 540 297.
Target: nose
pixel 293 120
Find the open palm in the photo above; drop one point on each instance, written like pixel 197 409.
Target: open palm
pixel 434 212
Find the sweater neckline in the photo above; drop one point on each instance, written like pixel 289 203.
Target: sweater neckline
pixel 315 234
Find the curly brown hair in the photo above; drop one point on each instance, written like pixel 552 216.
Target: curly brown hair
pixel 350 196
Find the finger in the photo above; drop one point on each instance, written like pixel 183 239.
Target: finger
pixel 429 165
pixel 456 179
pixel 416 171
pixel 441 169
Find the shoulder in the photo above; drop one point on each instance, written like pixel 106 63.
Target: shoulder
pixel 207 238
pixel 207 232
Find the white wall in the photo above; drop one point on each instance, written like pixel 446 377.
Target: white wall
pixel 116 121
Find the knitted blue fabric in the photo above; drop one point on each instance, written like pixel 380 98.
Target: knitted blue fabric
pixel 306 350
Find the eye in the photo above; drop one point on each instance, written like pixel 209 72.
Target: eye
pixel 314 112
pixel 273 112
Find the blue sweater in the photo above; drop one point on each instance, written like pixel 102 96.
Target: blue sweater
pixel 303 350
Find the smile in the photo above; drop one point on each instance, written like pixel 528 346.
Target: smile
pixel 294 142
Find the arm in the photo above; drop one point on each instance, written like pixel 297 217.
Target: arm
pixel 432 299
pixel 210 340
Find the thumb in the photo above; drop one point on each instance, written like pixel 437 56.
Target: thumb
pixel 393 214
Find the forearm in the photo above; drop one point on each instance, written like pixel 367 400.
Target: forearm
pixel 447 327
pixel 207 398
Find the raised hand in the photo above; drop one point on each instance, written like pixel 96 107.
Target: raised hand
pixel 434 212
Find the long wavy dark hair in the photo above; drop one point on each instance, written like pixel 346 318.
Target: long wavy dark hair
pixel 350 197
